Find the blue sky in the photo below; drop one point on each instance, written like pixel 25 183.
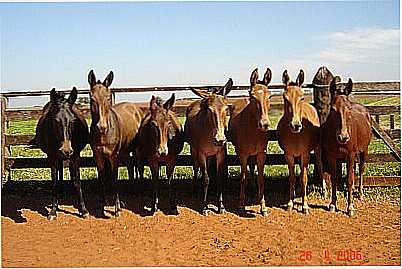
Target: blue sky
pixel 45 45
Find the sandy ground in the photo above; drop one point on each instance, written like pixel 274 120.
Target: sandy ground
pixel 190 239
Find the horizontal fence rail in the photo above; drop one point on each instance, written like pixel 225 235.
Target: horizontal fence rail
pixel 358 88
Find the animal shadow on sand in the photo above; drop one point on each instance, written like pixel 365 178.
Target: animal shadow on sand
pixel 137 197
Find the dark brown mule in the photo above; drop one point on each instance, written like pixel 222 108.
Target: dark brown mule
pixel 322 103
pixel 112 130
pixel 298 133
pixel 248 127
pixel 346 135
pixel 62 133
pixel 205 131
pixel 160 139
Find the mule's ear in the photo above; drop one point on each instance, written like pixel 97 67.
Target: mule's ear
pixel 285 77
pixel 53 95
pixel 73 96
pixel 254 77
pixel 267 77
pixel 349 87
pixel 332 87
pixel 169 103
pixel 153 106
pixel 300 78
pixel 201 93
pixel 228 87
pixel 108 80
pixel 91 78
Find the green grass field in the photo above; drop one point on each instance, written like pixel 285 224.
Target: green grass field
pixel 274 171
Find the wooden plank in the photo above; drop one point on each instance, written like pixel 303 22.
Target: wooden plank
pixel 384 110
pixel 381 181
pixel 358 87
pixel 21 140
pixel 35 113
pixel 380 133
pixel 182 160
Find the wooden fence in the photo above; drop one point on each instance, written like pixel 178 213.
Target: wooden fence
pixel 388 135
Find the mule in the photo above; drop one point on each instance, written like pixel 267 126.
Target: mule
pixel 298 134
pixel 205 126
pixel 248 127
pixel 112 131
pixel 160 139
pixel 62 133
pixel 347 135
pixel 322 103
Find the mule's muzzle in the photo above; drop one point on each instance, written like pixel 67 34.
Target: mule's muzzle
pixel 264 125
pixel 102 128
pixel 220 142
pixel 66 153
pixel 296 127
pixel 163 151
pixel 343 139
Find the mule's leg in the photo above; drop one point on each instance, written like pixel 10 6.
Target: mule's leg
pixel 350 181
pixel 220 161
pixel 303 176
pixel 54 170
pixel 320 170
pixel 362 164
pixel 334 182
pixel 114 172
pixel 154 165
pixel 292 180
pixel 172 190
pixel 75 177
pixel 195 171
pixel 130 164
pixel 243 163
pixel 253 180
pixel 100 164
pixel 202 161
pixel 261 182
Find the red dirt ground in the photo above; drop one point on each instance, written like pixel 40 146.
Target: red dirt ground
pixel 372 237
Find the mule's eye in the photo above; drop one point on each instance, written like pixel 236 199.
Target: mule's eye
pixel 302 98
pixel 269 97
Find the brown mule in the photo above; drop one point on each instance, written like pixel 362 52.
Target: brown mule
pixel 160 139
pixel 298 134
pixel 248 127
pixel 112 130
pixel 346 135
pixel 205 131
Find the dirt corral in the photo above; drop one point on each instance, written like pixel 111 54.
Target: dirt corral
pixel 372 237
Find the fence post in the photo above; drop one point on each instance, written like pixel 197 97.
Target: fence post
pixel 392 121
pixel 3 148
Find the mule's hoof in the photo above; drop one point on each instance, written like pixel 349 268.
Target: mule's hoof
pixel 205 212
pixel 289 207
pixel 332 208
pixel 117 213
pixel 51 217
pixel 221 210
pixel 85 215
pixel 173 211
pixel 306 210
pixel 351 212
pixel 264 213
